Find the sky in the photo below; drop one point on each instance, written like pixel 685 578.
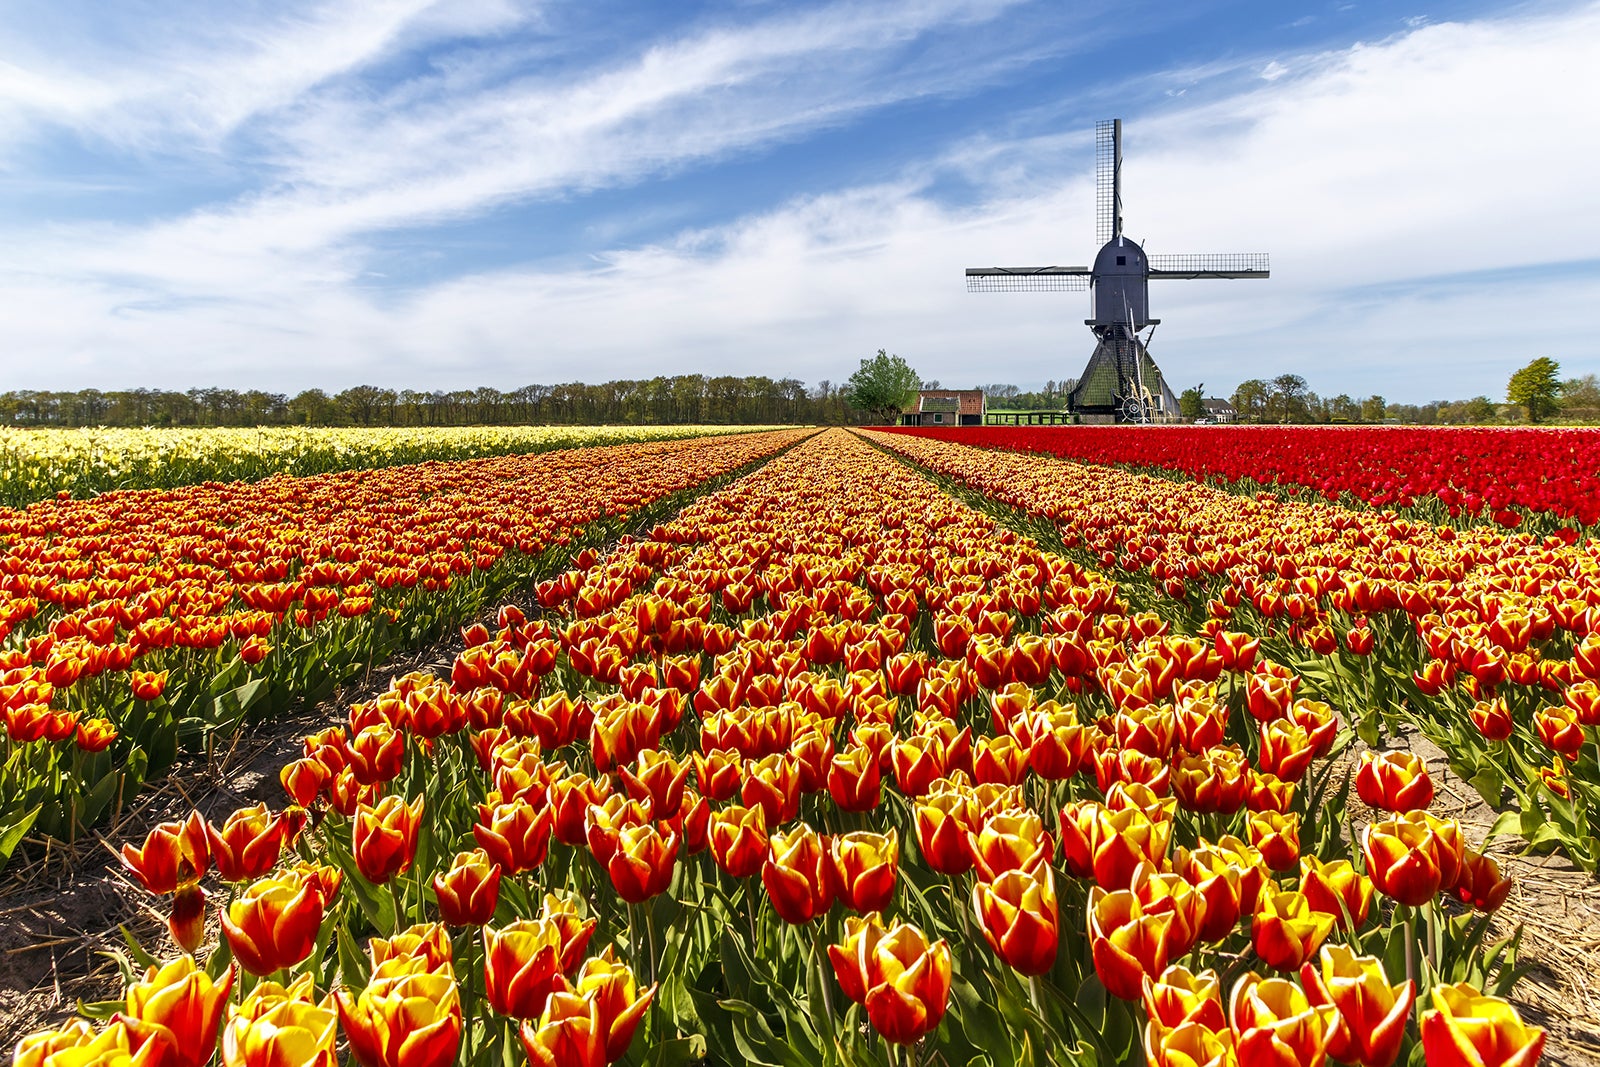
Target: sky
pixel 285 194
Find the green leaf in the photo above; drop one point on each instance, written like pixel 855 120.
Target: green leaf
pixel 755 1039
pixel 13 828
pixel 1489 783
pixel 100 1010
pixel 140 955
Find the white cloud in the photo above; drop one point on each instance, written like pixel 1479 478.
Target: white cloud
pixel 1450 148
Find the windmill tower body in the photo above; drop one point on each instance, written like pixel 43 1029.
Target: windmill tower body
pixel 1121 383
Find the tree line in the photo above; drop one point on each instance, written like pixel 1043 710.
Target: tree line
pixel 685 399
pixel 1534 394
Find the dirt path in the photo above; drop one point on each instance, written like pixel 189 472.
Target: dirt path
pixel 1556 904
pixel 60 909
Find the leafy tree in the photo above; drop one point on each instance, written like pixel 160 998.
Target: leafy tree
pixel 1580 399
pixel 1250 399
pixel 1287 400
pixel 1537 388
pixel 1373 408
pixel 883 386
pixel 1192 402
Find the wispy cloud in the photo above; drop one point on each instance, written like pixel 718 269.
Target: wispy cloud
pixel 1447 148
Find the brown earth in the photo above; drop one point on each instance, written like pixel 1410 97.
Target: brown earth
pixel 61 908
pixel 1556 904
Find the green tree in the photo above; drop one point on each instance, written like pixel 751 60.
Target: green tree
pixel 1373 408
pixel 1580 399
pixel 883 386
pixel 1250 400
pixel 1192 403
pixel 1537 388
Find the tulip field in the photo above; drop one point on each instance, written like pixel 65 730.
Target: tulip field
pixel 40 463
pixel 1507 476
pixel 805 747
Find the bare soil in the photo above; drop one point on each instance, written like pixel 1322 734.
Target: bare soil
pixel 62 908
pixel 1556 905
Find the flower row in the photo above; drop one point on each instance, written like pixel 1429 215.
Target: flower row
pixel 712 746
pixel 124 615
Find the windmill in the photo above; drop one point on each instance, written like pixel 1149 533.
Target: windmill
pixel 1121 382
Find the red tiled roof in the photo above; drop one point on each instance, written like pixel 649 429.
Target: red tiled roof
pixel 970 400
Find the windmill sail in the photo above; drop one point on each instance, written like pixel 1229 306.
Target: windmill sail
pixel 1027 279
pixel 1210 265
pixel 1107 180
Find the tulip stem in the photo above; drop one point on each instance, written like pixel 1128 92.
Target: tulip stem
pixel 1411 950
pixel 822 978
pixel 650 931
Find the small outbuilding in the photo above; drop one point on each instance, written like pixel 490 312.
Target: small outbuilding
pixel 946 407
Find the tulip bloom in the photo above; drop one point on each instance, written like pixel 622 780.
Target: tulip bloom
pixel 522 966
pixel 95 735
pixel 569 1034
pixel 1558 727
pixel 174 855
pixel 1274 1023
pixel 1268 792
pixel 797 875
pixel 1237 651
pixel 147 685
pixel 854 779
pixel 410 1017
pixel 469 891
pixel 180 1007
pixel 1479 883
pixel 658 776
pixel 1108 845
pixel 1402 857
pixel 428 942
pixel 1286 931
pixel 1337 889
pixel 303 780
pixel 273 923
pixel 1215 781
pixel 1493 719
pixel 611 987
pixel 515 835
pixel 738 840
pixel 1394 781
pixel 1216 878
pixel 1467 1029
pixel 1010 840
pixel 911 986
pixel 718 773
pixel 1126 943
pixel 1268 696
pixel 773 783
pixel 1170 894
pixel 1276 837
pixel 569 800
pixel 278 1027
pixel 385 838
pixel 1019 917
pixel 902 981
pixel 866 866
pixel 377 754
pixel 643 863
pixel 1180 996
pixel 1371 1014
pixel 1189 1044
pixel 247 844
pixel 1287 749
pixel 945 826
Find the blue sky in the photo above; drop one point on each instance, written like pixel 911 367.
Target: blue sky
pixel 496 192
